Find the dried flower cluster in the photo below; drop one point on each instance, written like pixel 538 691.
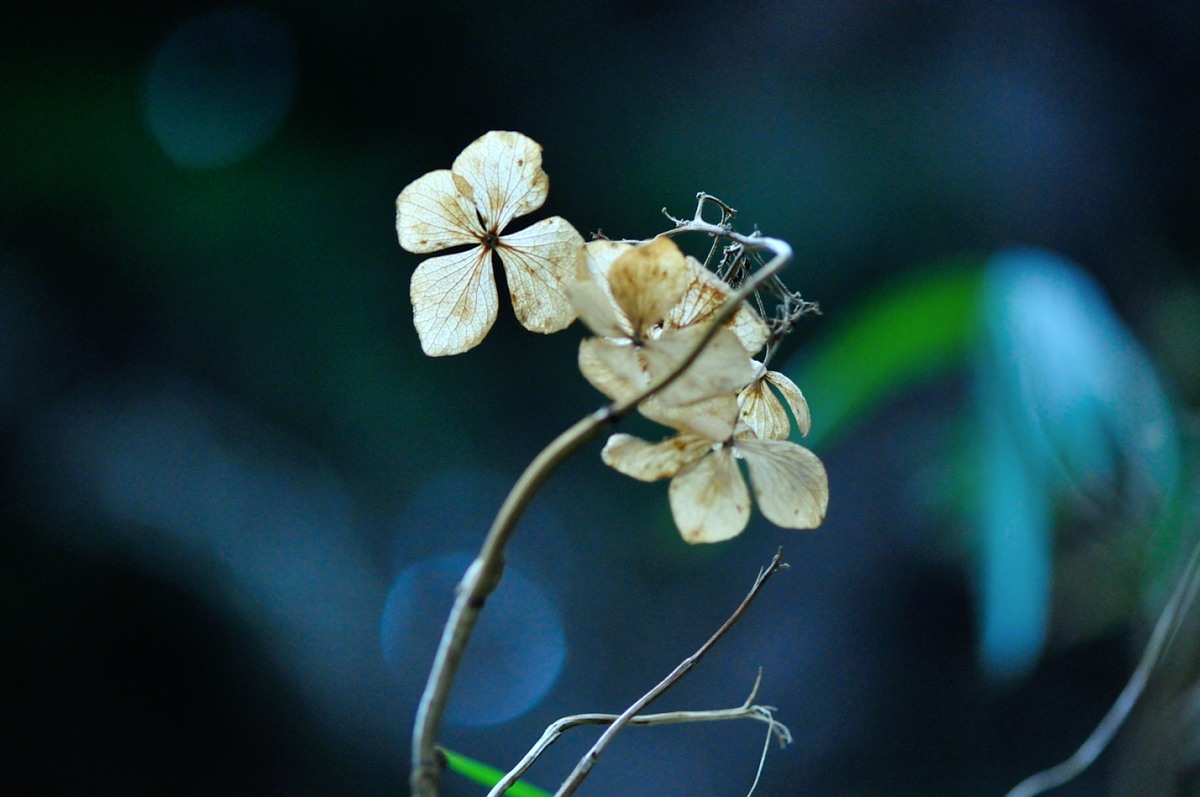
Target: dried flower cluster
pixel 649 306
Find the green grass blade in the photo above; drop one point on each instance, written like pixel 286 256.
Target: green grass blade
pixel 910 332
pixel 488 776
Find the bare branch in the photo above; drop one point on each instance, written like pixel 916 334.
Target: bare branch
pixel 1160 640
pixel 748 710
pixel 589 759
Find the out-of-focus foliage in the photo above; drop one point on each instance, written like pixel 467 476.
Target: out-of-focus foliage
pixel 488 776
pixel 892 340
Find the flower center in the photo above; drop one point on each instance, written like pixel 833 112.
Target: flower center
pixel 490 241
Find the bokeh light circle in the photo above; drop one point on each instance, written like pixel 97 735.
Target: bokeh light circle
pixel 516 652
pixel 220 86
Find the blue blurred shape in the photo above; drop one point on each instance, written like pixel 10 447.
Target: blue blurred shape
pixel 1015 548
pixel 516 653
pixel 220 86
pixel 1070 407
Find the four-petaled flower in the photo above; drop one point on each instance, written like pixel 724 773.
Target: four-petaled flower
pixel 624 295
pixel 708 495
pixel 454 297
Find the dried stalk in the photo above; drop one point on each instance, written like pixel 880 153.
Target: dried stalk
pixel 589 759
pixel 483 575
pixel 1160 641
pixel 748 710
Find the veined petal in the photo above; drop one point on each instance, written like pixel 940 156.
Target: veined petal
pixel 713 417
pixel 705 295
pixel 721 367
pixel 540 261
pixel 454 301
pixel 763 412
pixel 599 255
pixel 709 500
pixel 593 303
pixel 751 330
pixel 647 281
pixel 435 211
pixel 790 484
pixel 505 170
pixel 612 367
pixel 607 317
pixel 794 398
pixel 652 461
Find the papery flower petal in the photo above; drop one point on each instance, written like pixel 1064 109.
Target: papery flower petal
pixel 612 367
pixel 652 461
pixel 594 306
pixel 436 211
pixel 454 301
pixel 709 500
pixel 705 295
pixel 721 367
pixel 751 330
pixel 789 482
pixel 647 281
pixel 540 262
pixel 763 412
pixel 505 170
pixel 713 417
pixel 794 398
pixel 599 255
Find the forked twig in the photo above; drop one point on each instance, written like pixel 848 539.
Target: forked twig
pixel 748 710
pixel 589 758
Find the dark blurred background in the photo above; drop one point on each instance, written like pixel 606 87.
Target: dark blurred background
pixel 236 496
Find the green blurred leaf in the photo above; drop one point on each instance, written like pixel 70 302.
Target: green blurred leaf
pixel 488 776
pixel 910 332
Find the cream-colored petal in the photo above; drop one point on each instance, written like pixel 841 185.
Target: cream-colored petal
pixel 647 281
pixel 454 301
pixel 790 484
pixel 751 330
pixel 599 255
pixel 505 170
pixel 794 398
pixel 763 412
pixel 705 295
pixel 713 418
pixel 540 262
pixel 436 211
pixel 709 500
pixel 593 303
pixel 652 461
pixel 721 367
pixel 612 367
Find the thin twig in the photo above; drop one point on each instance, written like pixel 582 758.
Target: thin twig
pixel 589 759
pixel 1160 640
pixel 748 710
pixel 483 575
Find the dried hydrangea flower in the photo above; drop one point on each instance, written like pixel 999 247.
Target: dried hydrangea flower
pixel 708 495
pixel 495 179
pixel 624 295
pixel 762 410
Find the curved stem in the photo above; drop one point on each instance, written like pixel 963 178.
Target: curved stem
pixel 483 575
pixel 1160 640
